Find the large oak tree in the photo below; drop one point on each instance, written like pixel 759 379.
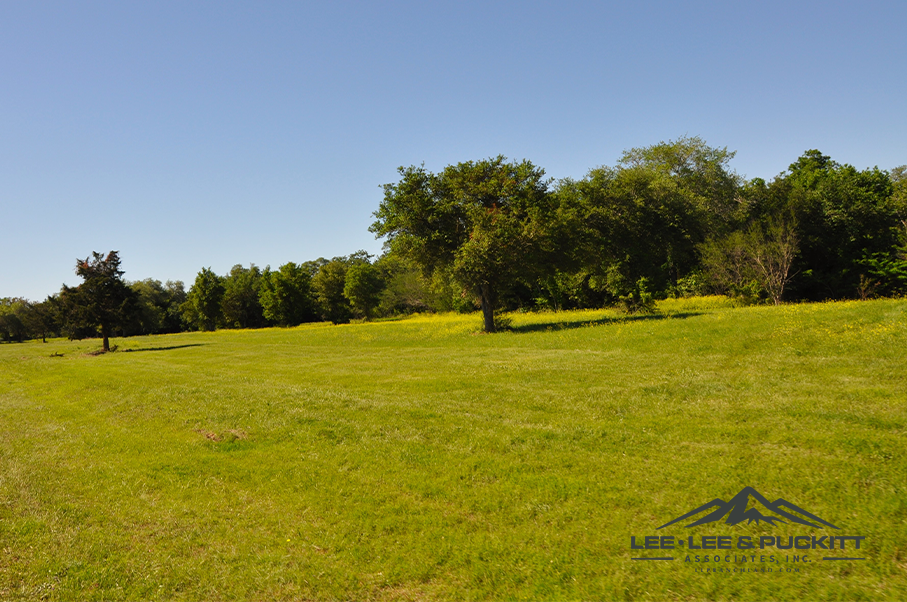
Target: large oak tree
pixel 487 221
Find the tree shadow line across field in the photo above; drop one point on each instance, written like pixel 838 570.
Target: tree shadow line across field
pixel 545 326
pixel 164 348
pixel 523 328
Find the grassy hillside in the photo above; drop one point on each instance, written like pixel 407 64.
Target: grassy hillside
pixel 417 459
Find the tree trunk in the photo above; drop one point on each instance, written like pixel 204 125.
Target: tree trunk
pixel 487 308
pixel 106 341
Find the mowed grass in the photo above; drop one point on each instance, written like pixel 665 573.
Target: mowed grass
pixel 416 459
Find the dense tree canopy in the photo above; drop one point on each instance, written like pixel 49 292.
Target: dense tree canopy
pixel 241 303
pixel 286 295
pixel 362 287
pixel 328 284
pixel 202 309
pixel 158 307
pixel 670 219
pixel 13 319
pixel 842 218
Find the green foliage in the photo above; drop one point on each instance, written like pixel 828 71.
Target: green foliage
pixel 842 216
pixel 362 287
pixel 638 299
pixel 313 266
pixel 21 319
pixel 158 307
pixel 149 313
pixel 175 297
pixel 328 285
pixel 405 290
pixel 644 218
pixel 446 294
pixel 12 320
pixel 694 284
pixel 898 202
pixel 561 290
pixel 42 319
pixel 591 242
pixel 286 295
pixel 699 171
pixel 885 274
pixel 240 305
pixel 485 221
pixel 103 302
pixel 202 308
pixel 753 263
pixel 668 220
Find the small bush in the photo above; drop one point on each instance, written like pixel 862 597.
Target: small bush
pixel 638 300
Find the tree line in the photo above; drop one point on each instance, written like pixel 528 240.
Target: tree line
pixel 668 220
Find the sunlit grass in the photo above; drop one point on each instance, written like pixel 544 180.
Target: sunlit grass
pixel 421 459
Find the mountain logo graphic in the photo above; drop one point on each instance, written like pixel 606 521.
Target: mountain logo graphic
pixel 736 511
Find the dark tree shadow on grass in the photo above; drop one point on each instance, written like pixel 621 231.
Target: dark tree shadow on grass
pixel 599 322
pixel 163 348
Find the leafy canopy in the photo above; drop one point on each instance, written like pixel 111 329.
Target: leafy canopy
pixel 485 220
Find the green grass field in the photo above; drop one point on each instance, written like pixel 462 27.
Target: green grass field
pixel 416 459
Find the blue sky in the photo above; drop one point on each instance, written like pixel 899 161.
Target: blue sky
pixel 189 135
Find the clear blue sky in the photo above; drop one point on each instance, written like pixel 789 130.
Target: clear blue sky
pixel 188 135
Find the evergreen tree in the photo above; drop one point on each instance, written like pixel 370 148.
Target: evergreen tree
pixel 103 302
